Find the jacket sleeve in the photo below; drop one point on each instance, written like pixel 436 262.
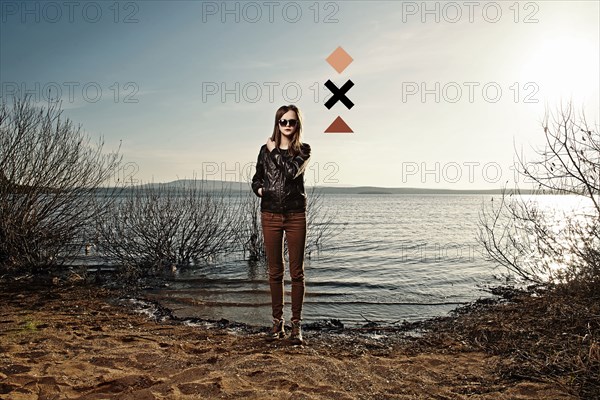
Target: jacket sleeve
pixel 259 176
pixel 291 168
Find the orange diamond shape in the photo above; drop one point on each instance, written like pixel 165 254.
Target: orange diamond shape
pixel 339 59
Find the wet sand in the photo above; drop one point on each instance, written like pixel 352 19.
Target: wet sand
pixel 72 341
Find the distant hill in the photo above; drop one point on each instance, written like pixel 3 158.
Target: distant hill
pixel 374 190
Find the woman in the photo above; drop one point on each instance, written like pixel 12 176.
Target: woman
pixel 279 182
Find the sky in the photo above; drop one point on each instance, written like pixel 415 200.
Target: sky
pixel 445 93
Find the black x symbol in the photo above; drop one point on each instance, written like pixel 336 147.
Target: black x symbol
pixel 339 94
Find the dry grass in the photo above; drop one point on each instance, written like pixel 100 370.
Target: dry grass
pixel 541 334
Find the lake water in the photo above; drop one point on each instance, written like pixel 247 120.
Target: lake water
pixel 399 257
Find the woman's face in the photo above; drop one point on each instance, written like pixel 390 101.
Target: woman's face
pixel 287 129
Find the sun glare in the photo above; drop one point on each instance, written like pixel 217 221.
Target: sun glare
pixel 563 66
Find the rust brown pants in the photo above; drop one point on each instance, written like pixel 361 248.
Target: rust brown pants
pixel 294 225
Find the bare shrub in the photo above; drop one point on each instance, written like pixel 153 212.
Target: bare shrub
pixel 49 177
pixel 155 228
pixel 249 237
pixel 321 226
pixel 544 243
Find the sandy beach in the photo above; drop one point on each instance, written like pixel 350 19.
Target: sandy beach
pixel 73 341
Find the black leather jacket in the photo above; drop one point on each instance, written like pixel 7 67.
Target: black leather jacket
pixel 281 178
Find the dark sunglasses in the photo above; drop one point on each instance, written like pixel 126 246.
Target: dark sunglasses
pixel 290 122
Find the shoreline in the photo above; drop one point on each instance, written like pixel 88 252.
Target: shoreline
pixel 153 309
pixel 74 340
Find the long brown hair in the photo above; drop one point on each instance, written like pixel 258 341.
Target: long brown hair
pixel 295 146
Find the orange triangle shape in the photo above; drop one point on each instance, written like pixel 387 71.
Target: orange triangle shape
pixel 338 126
